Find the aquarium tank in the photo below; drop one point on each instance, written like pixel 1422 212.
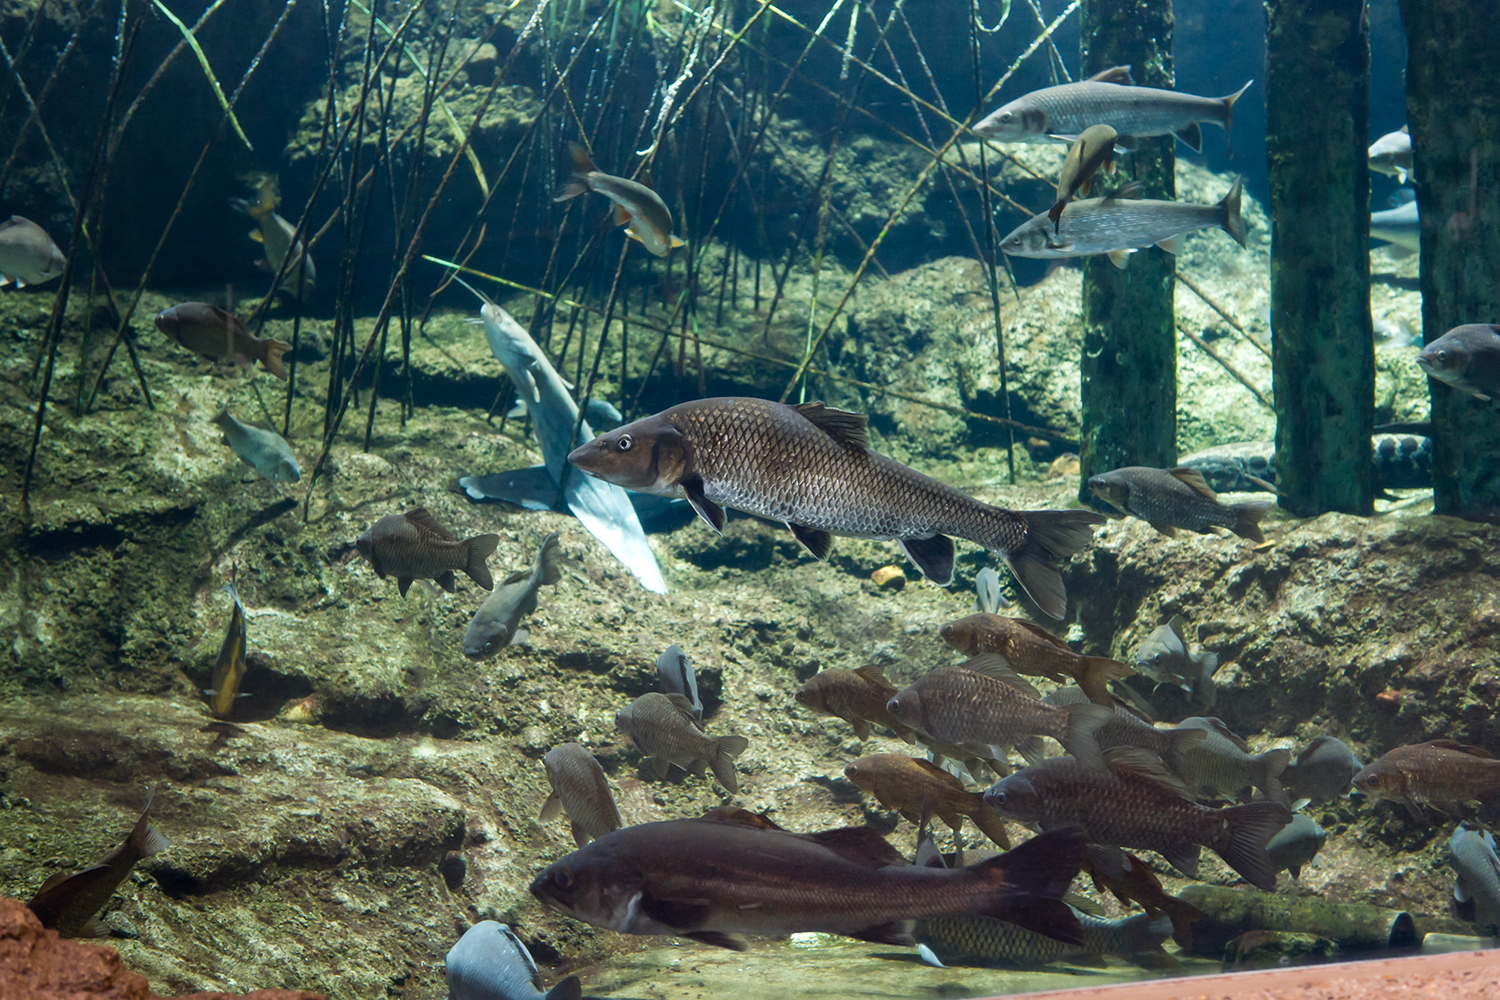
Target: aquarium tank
pixel 818 498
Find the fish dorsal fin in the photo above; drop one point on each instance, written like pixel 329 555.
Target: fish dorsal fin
pixel 1312 748
pixel 1143 764
pixel 1194 479
pixel 1404 128
pixel 421 518
pixel 1115 74
pixel 1178 625
pixel 859 844
pixel 645 180
pixel 1458 747
pixel 847 428
pixel 993 665
pixel 1218 726
pixel 684 707
pixel 56 879
pixel 1129 191
pixel 935 773
pixel 872 675
pixel 547 557
pixel 1042 634
pixel 739 817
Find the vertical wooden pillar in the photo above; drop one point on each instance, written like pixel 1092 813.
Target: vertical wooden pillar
pixel 1453 110
pixel 1129 364
pixel 1317 133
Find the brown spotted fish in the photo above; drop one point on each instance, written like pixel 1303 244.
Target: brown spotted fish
pixel 413 546
pixel 1027 648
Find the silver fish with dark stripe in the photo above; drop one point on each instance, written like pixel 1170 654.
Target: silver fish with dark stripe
pixel 677 677
pixel 490 963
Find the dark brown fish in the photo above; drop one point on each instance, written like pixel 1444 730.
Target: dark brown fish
pixel 1127 878
pixel 811 467
pixel 664 730
pixel 1169 499
pixel 70 903
pixel 220 336
pixel 1092 151
pixel 1441 773
pixel 908 785
pixel 1027 648
pixel 1467 358
pixel 1137 803
pixel 1130 730
pixel 413 546
pixel 579 786
pixel 230 667
pixel 713 879
pixel 983 705
pixel 856 696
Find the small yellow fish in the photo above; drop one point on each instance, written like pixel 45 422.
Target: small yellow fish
pixel 229 668
pixel 635 203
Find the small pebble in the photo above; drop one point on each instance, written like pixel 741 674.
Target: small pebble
pixel 889 578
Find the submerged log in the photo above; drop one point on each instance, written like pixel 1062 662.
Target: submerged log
pixel 1323 371
pixel 1129 364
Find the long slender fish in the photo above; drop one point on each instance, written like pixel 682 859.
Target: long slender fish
pixel 229 667
pixel 1401 227
pixel 811 467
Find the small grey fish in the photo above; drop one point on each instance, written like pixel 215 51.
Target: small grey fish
pixel 984 941
pixel 210 332
pixel 27 254
pixel 580 788
pixel 275 234
pixel 1394 333
pixel 636 205
pixel 1056 114
pixel 1391 154
pixel 664 730
pixel 1466 358
pixel 1323 770
pixel 263 450
pixel 1401 227
pixel 1130 730
pixel 1476 891
pixel 229 667
pixel 1222 764
pixel 490 963
pixel 1168 499
pixel 676 676
pixel 1091 152
pixel 856 696
pixel 1297 844
pixel 413 546
pixel 1164 657
pixel 1121 223
pixel 496 623
pixel 989 598
pixel 70 903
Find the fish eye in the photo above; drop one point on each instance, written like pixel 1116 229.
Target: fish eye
pixel 1442 357
pixel 801 697
pixel 1373 781
pixel 489 646
pixel 562 880
pixel 1155 657
pixel 1007 118
pixel 946 631
pixel 997 798
pixel 625 443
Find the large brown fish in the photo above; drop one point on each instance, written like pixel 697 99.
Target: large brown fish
pixel 1440 773
pixel 983 705
pixel 1168 499
pixel 579 786
pixel 1027 648
pixel 811 467
pixel 230 666
pixel 713 879
pixel 220 336
pixel 909 785
pixel 70 903
pixel 1136 804
pixel 413 546
pixel 636 205
pixel 856 696
pixel 664 730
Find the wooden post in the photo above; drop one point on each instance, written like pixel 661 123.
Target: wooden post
pixel 1453 110
pixel 1323 371
pixel 1129 364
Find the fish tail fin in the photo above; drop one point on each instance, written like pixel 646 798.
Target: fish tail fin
pixel 582 166
pixel 1229 110
pixel 146 838
pixel 272 358
pixel 568 989
pixel 729 747
pixel 1031 880
pixel 1274 762
pixel 479 548
pixel 1082 738
pixel 551 571
pixel 1234 223
pixel 1250 828
pixel 1097 672
pixel 991 825
pixel 1051 537
pixel 1144 932
pixel 1247 519
pixel 1183 916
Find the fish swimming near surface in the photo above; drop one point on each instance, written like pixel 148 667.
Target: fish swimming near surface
pixel 1391 154
pixel 1091 152
pixel 1120 223
pixel 497 621
pixel 490 963
pixel 1027 648
pixel 1476 891
pixel 1057 114
pixel 70 903
pixel 27 254
pixel 1323 770
pixel 811 467
pixel 603 509
pixel 676 676
pixel 1128 729
pixel 910 785
pixel 1440 773
pixel 579 788
pixel 1137 803
pixel 1401 227
pixel 1221 765
pixel 212 333
pixel 275 234
pixel 857 696
pixel 413 546
pixel 262 449
pixel 1168 499
pixel 736 873
pixel 984 941
pixel 1164 656
pixel 663 729
pixel 1297 844
pixel 229 667
pixel 1466 358
pixel 988 597
pixel 636 205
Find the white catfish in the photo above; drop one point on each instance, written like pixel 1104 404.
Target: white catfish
pixel 605 510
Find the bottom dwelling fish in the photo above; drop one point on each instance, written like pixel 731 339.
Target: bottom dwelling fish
pixel 985 941
pixel 734 873
pixel 1168 499
pixel 490 963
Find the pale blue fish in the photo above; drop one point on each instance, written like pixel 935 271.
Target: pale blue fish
pixel 677 677
pixel 598 411
pixel 989 598
pixel 1476 891
pixel 263 450
pixel 490 963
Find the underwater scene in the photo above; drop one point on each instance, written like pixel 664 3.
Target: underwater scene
pixel 506 499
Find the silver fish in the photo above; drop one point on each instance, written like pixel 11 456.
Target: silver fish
pixel 664 730
pixel 579 786
pixel 677 677
pixel 1399 226
pixel 490 963
pixel 1222 764
pixel 262 449
pixel 1164 657
pixel 496 623
pixel 1120 224
pixel 275 234
pixel 1297 844
pixel 1391 154
pixel 1476 891
pixel 27 254
pixel 1130 730
pixel 989 598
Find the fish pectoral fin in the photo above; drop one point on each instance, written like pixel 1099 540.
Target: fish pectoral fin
pixel 403 583
pixel 1192 135
pixel 521 637
pixel 1414 809
pixel 622 216
pixel 256 236
pixel 677 241
pixel 1120 258
pixel 929 957
pixel 933 556
pixel 733 942
pixel 815 540
pixel 895 932
pixel 551 809
pixel 1173 244
pixel 1166 529
pixel 711 512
